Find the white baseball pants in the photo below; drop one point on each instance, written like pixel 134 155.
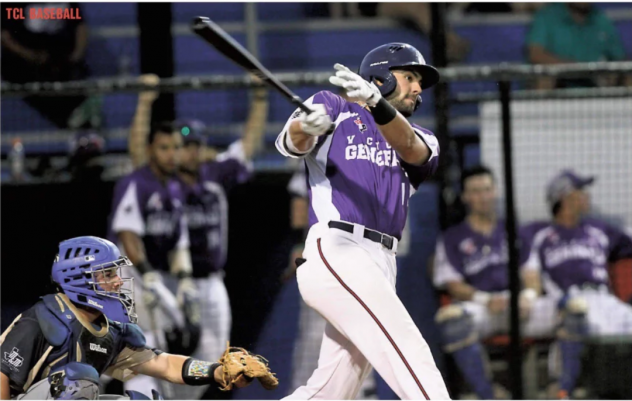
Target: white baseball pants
pixel 350 281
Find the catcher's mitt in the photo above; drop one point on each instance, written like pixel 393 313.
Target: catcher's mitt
pixel 241 367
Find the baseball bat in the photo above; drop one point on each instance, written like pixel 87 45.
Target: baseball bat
pixel 229 47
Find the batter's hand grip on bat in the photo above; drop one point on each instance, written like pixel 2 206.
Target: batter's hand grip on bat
pixel 229 47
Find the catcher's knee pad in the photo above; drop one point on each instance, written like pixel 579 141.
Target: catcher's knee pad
pixel 574 325
pixel 74 381
pixel 457 327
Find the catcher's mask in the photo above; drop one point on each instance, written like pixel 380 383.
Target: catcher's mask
pixel 89 271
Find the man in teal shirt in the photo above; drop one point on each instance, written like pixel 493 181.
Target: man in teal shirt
pixel 570 33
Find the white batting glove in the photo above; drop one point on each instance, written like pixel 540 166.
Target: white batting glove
pixel 357 88
pixel 316 123
pixel 156 294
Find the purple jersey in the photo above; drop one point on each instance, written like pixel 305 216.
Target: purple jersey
pixel 206 208
pixel 353 174
pixel 466 255
pixel 153 210
pixel 576 256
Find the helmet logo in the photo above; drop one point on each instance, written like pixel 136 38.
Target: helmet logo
pixel 56 259
pixel 93 303
pixel 89 258
pixel 378 63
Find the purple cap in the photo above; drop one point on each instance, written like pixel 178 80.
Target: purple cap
pixel 193 131
pixel 564 183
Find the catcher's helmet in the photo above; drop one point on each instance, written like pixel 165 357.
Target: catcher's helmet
pixel 379 62
pixel 87 270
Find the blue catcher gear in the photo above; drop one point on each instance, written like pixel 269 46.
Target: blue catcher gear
pixel 379 62
pixel 192 131
pixel 74 381
pixel 87 270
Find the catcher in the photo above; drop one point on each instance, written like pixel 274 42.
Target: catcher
pixel 58 348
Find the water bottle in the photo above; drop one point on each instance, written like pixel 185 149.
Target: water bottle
pixel 16 160
pixel 125 66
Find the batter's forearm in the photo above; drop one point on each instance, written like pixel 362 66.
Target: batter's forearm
pixel 301 141
pixel 402 138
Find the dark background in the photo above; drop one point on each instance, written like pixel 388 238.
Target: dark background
pixel 35 218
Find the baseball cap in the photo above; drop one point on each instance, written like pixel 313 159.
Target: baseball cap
pixel 192 131
pixel 564 183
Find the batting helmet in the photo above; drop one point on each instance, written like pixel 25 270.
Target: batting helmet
pixel 82 270
pixel 379 62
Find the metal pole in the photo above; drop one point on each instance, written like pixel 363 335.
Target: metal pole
pixel 252 34
pixel 515 351
pixel 252 30
pixel 449 170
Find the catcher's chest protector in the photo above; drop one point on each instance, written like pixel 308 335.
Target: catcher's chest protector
pixel 74 341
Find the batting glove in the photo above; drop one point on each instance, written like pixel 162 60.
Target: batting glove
pixel 316 123
pixel 357 88
pixel 156 294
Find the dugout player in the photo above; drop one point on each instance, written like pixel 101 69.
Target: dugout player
pixel 359 179
pixel 148 222
pixel 68 339
pixel 205 177
pixel 572 254
pixel 471 265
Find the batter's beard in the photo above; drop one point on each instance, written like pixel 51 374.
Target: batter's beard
pixel 401 105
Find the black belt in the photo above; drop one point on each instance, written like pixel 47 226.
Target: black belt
pixel 386 240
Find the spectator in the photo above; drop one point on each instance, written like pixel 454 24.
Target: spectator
pixel 570 33
pixel 484 8
pixel 418 14
pixel 43 50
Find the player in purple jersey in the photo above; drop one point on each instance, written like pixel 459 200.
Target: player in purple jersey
pixel 205 177
pixel 471 265
pixel 149 224
pixel 572 254
pixel 359 177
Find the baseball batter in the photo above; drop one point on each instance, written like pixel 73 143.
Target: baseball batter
pixel 359 179
pixel 572 255
pixel 471 265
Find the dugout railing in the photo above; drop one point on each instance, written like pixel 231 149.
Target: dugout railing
pixel 496 114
